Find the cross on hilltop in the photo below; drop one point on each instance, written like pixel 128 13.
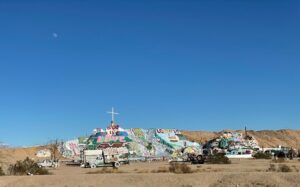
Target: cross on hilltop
pixel 113 113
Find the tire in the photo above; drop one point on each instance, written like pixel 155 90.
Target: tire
pixel 93 166
pixel 201 162
pixel 199 158
pixel 117 164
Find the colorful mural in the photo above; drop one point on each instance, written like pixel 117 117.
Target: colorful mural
pixel 72 148
pixel 113 134
pixel 138 142
pixel 232 143
pixel 174 139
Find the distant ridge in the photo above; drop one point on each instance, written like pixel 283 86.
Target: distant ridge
pixel 3 145
pixel 265 138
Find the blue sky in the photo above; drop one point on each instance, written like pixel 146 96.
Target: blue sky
pixel 195 65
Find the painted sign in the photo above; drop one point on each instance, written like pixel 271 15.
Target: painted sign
pixel 102 139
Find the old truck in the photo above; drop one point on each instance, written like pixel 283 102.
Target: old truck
pixel 106 157
pixel 48 163
pixel 188 154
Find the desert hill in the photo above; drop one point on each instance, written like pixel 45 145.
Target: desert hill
pixel 11 155
pixel 265 138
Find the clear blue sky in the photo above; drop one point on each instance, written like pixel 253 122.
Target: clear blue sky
pixel 195 65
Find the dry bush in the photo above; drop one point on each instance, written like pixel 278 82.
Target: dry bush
pixel 284 168
pixel 279 160
pixel 27 167
pixel 160 170
pixel 142 171
pixel 280 168
pixel 262 155
pixel 105 170
pixel 218 159
pixel 1 172
pixel 179 168
pixel 272 167
pixel 295 167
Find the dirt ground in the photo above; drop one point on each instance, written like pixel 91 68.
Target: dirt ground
pixel 239 173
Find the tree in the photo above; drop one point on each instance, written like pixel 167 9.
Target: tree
pixel 53 147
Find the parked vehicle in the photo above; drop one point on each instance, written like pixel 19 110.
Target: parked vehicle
pixel 48 163
pixel 188 154
pixel 98 158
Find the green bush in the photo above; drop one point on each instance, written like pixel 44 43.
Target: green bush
pixel 1 172
pixel 26 167
pixel 218 159
pixel 262 155
pixel 179 168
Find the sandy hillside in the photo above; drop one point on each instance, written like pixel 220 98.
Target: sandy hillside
pixel 265 138
pixel 11 155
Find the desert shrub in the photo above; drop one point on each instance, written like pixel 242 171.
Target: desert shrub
pixel 295 167
pixel 105 170
pixel 26 167
pixel 179 168
pixel 262 155
pixel 280 168
pixel 279 160
pixel 218 159
pixel 280 154
pixel 160 170
pixel 284 168
pixel 272 167
pixel 143 171
pixel 1 172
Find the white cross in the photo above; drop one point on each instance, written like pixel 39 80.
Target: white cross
pixel 113 113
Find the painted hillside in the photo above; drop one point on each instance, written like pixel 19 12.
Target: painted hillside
pixel 265 138
pixel 140 142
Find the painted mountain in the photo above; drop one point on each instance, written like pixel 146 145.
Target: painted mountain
pixel 140 142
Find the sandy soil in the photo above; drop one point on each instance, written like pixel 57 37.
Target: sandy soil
pixel 239 173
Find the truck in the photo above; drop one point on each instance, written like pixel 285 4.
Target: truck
pixel 98 158
pixel 188 154
pixel 48 163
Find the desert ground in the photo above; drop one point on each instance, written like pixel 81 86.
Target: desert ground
pixel 238 173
